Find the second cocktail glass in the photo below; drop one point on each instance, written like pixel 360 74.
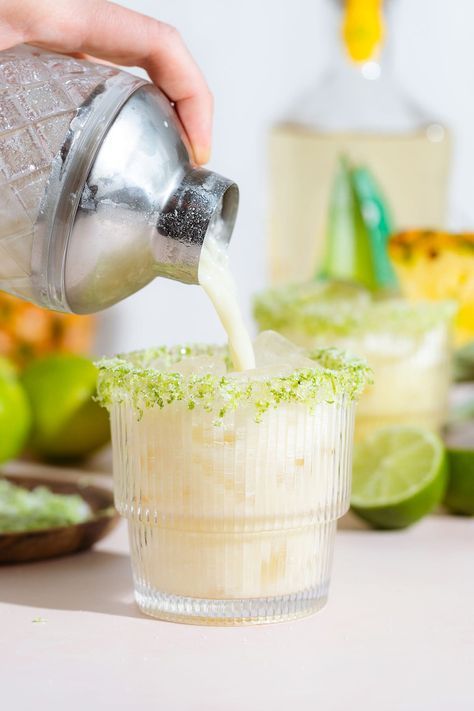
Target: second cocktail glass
pixel 407 344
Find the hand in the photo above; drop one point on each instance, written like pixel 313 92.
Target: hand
pixel 107 31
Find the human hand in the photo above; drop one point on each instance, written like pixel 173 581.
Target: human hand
pixel 104 30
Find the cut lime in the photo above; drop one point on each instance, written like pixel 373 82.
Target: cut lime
pixel 399 476
pixel 460 492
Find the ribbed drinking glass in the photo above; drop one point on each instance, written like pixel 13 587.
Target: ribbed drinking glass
pixel 231 483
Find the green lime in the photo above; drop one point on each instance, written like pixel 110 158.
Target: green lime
pixel 15 414
pixel 7 368
pixel 67 423
pixel 399 476
pixel 460 492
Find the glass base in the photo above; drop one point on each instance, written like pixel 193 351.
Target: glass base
pixel 251 611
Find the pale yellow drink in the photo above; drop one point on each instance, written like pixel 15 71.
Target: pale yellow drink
pixel 217 281
pixel 411 168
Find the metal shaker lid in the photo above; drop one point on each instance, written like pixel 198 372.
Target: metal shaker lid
pixel 201 197
pixel 144 210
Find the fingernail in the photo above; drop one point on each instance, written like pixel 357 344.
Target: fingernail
pixel 202 154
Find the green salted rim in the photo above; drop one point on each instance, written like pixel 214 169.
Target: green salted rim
pixel 319 309
pixel 146 379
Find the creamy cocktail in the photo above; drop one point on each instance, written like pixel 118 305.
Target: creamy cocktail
pixel 406 344
pixel 232 466
pixel 231 482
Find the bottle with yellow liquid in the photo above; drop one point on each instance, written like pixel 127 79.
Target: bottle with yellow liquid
pixel 360 112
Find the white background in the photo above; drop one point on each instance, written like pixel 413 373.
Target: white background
pixel 259 56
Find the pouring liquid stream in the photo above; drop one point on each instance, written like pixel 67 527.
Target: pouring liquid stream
pixel 217 281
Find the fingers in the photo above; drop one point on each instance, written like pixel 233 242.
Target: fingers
pixel 172 68
pixel 111 32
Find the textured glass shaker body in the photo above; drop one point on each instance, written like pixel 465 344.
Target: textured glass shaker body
pixel 232 523
pixel 39 95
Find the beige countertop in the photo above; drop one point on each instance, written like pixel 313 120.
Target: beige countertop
pixel 397 634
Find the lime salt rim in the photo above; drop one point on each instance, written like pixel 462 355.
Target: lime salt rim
pixel 145 379
pixel 315 308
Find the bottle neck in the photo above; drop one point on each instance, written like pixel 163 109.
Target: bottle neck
pixel 360 97
pixel 365 44
pixel 362 29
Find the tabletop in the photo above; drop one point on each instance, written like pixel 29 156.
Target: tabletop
pixel 397 634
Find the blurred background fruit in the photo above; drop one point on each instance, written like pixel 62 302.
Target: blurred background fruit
pixel 399 476
pixel 28 331
pixel 15 413
pixel 459 438
pixel 438 265
pixel 67 423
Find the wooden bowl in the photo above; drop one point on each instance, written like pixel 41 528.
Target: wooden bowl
pixel 23 547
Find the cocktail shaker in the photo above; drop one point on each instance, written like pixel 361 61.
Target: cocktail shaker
pixel 98 194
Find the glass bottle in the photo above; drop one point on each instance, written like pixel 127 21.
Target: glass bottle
pixel 358 110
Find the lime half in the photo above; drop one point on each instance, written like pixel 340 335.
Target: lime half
pixel 399 476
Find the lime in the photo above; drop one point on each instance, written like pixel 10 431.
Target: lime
pixel 15 414
pixel 460 492
pixel 399 476
pixel 67 423
pixel 7 368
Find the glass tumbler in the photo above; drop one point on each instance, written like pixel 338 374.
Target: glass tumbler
pixel 231 483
